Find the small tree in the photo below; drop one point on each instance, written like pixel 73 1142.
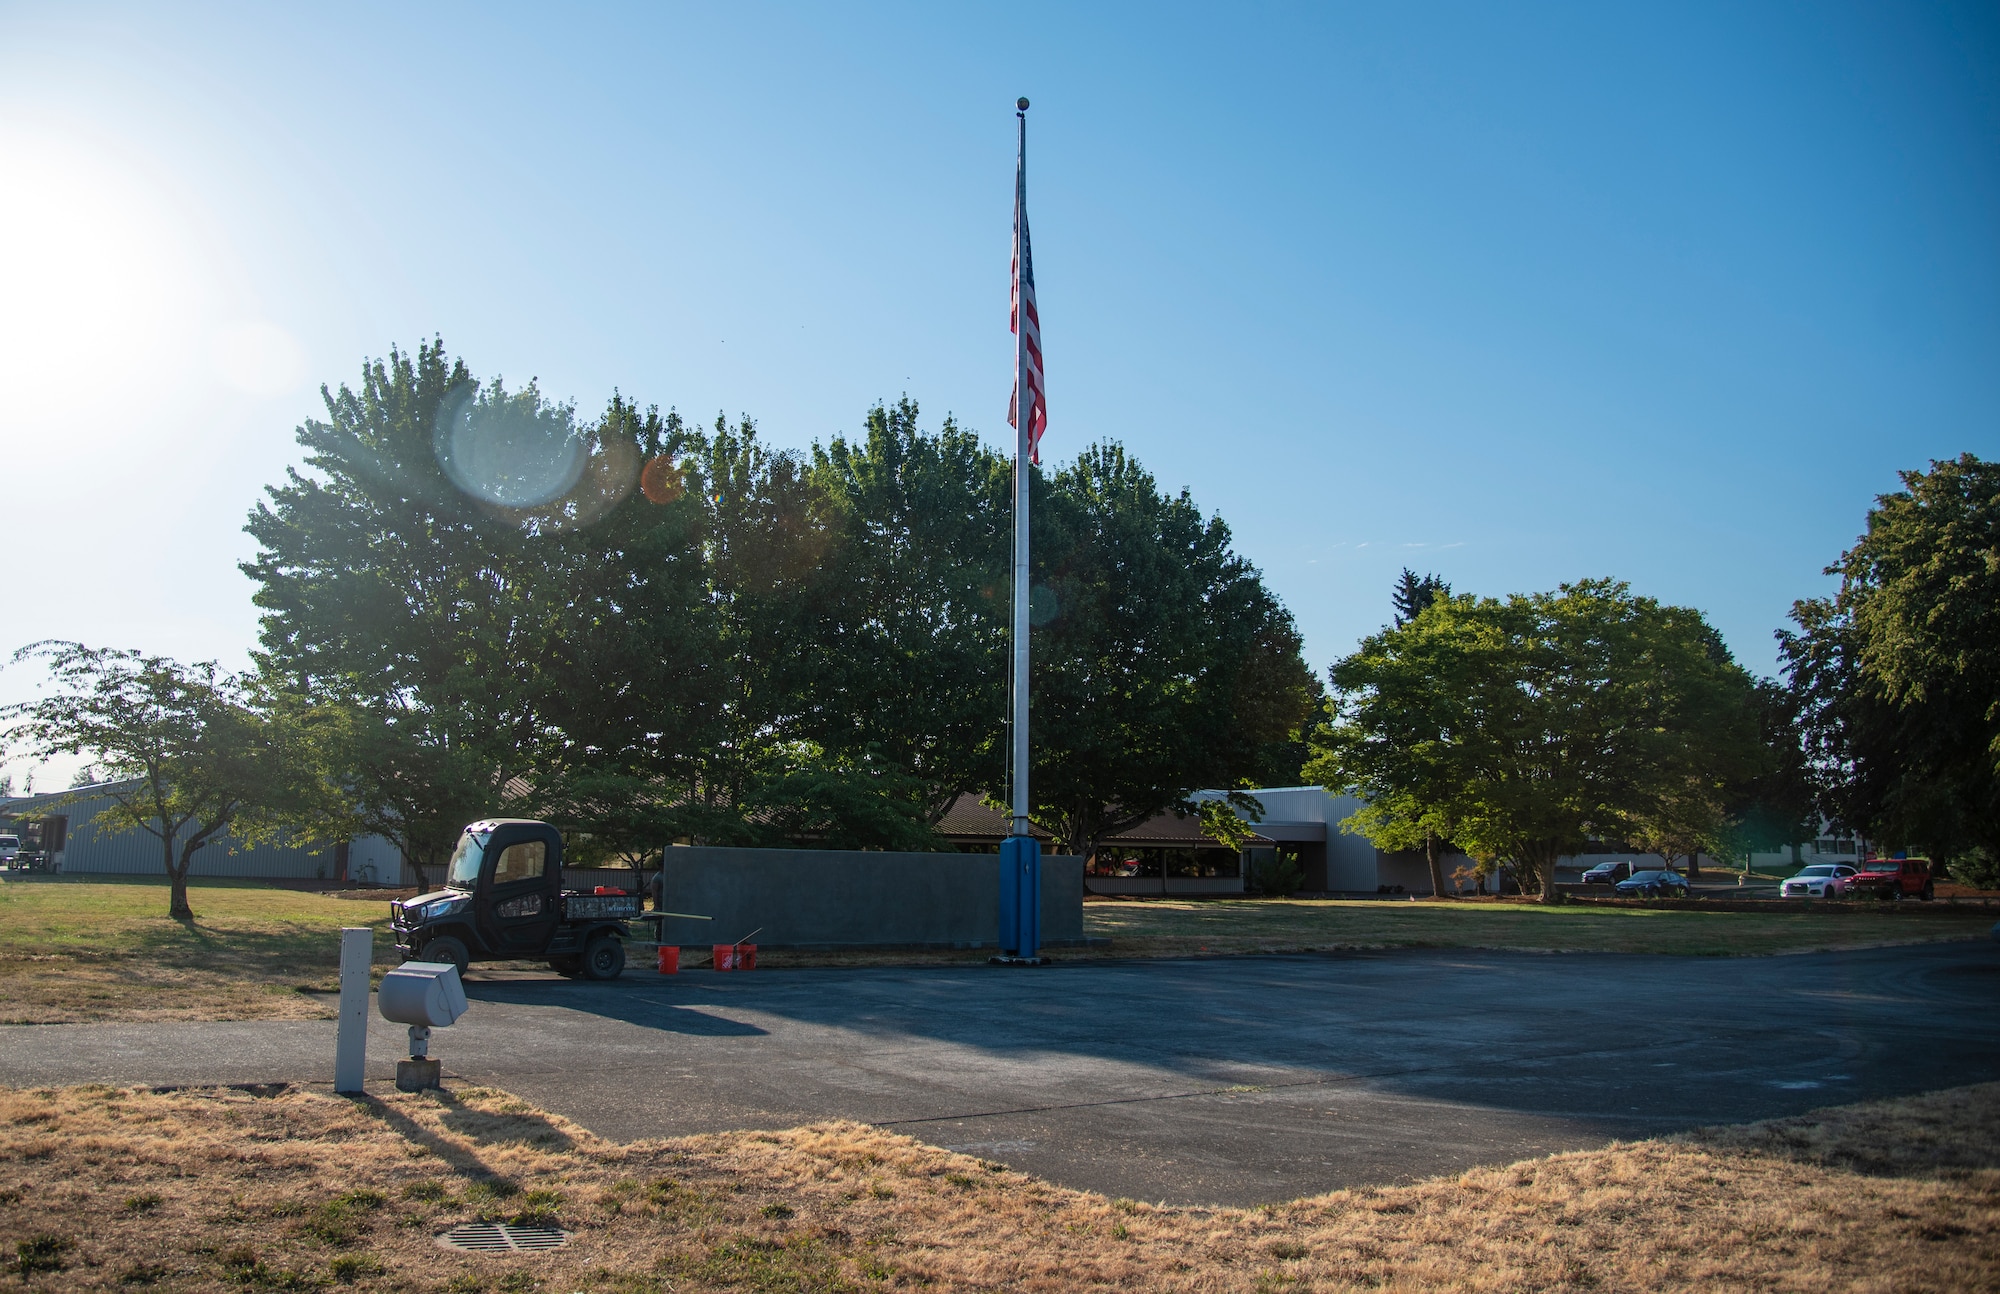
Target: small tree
pixel 1415 592
pixel 194 757
pixel 1683 818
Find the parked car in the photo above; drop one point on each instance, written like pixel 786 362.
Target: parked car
pixel 1608 873
pixel 1895 878
pixel 1820 881
pixel 1654 883
pixel 10 849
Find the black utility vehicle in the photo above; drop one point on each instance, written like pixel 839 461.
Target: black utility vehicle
pixel 503 901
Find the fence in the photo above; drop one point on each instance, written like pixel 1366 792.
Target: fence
pixel 826 898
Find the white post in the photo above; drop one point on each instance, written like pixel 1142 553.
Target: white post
pixel 350 1056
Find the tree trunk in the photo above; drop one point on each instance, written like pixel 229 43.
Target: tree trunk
pixel 1547 863
pixel 1694 864
pixel 1437 865
pixel 177 883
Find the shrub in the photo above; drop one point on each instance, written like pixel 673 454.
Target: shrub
pixel 1278 874
pixel 349 1268
pixel 1977 867
pixel 43 1253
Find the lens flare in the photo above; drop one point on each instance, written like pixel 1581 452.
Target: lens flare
pixel 608 472
pixel 513 452
pixel 661 481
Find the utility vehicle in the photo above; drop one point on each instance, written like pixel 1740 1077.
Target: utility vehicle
pixel 503 900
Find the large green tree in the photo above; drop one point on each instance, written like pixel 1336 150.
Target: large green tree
pixel 465 587
pixel 471 609
pixel 1162 664
pixel 912 630
pixel 1523 728
pixel 1899 672
pixel 190 757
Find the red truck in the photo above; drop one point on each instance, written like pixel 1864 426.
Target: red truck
pixel 1894 878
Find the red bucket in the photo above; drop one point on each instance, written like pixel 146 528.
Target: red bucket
pixel 735 957
pixel 670 960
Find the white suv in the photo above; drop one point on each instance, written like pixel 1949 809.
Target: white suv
pixel 1820 881
pixel 10 849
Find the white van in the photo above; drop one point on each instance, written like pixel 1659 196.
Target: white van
pixel 10 849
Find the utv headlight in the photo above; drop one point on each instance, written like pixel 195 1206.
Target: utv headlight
pixel 443 908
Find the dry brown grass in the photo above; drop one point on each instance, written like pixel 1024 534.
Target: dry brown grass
pixel 224 1189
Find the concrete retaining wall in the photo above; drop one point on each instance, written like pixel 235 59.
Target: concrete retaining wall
pixel 842 898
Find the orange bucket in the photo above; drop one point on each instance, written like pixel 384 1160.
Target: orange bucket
pixel 724 957
pixel 746 957
pixel 670 960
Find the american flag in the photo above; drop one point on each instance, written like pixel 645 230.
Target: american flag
pixel 1024 297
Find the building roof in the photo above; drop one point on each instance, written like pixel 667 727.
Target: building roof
pixel 14 806
pixel 968 819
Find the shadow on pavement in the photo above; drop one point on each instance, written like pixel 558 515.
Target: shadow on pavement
pixel 621 1000
pixel 1573 1036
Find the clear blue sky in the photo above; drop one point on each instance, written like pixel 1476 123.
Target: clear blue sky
pixel 1516 294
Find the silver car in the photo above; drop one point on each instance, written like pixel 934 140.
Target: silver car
pixel 1820 881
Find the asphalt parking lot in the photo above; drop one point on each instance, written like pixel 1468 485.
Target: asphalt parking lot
pixel 1232 1080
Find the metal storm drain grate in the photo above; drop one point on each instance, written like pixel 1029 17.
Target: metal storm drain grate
pixel 502 1238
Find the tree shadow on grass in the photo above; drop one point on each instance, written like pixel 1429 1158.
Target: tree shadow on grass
pixel 269 953
pixel 1935 1135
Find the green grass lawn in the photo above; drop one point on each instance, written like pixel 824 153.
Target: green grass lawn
pixel 82 949
pixel 1156 927
pixel 99 948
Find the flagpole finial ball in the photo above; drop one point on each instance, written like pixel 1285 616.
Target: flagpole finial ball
pixel 1022 104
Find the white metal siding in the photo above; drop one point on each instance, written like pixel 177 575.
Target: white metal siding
pixel 93 849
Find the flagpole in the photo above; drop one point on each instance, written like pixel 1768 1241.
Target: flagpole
pixel 1023 410
pixel 1020 853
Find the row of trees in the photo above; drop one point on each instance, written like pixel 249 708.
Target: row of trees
pixel 475 603
pixel 1521 729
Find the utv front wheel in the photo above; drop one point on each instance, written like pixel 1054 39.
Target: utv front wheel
pixel 604 958
pixel 445 948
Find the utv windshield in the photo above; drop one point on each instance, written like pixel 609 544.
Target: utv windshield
pixel 464 871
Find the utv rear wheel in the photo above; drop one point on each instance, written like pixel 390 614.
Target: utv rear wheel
pixel 1929 893
pixel 604 958
pixel 445 948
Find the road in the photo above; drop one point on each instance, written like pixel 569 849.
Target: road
pixel 1224 1081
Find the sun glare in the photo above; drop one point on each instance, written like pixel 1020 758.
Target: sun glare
pixel 102 291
